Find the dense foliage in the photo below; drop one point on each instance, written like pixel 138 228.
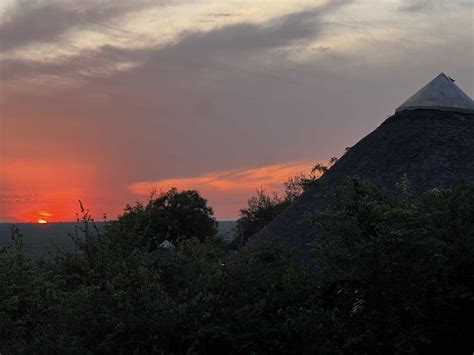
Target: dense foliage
pixel 173 215
pixel 263 208
pixel 394 274
pixel 399 270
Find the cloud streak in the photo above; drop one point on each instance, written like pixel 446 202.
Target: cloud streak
pixel 229 189
pixel 29 22
pixel 417 5
pixel 192 48
pixel 247 179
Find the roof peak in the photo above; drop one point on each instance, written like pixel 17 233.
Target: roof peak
pixel 442 94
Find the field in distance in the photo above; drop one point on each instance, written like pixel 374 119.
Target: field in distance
pixel 40 239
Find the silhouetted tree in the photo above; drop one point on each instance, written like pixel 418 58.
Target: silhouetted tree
pixel 174 216
pixel 262 208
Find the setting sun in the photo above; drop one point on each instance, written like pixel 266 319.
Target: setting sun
pixel 43 216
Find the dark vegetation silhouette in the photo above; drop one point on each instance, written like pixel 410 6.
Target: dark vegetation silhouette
pixel 172 215
pixel 263 208
pixel 395 274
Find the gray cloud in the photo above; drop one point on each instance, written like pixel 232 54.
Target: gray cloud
pixel 419 5
pixel 86 65
pixel 29 22
pixel 258 37
pixel 193 49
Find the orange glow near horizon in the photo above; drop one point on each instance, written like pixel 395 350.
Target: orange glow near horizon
pixel 40 189
pixel 52 196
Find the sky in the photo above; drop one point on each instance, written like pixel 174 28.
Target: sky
pixel 103 100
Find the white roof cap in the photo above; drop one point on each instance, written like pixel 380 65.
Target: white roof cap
pixel 441 93
pixel 167 245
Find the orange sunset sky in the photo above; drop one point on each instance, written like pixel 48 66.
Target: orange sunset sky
pixel 101 101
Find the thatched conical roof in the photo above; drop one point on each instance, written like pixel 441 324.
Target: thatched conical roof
pixel 441 93
pixel 433 148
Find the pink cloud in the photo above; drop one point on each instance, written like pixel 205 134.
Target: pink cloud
pixel 228 190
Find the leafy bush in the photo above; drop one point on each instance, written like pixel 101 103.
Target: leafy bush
pixel 262 208
pixel 174 216
pixel 399 270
